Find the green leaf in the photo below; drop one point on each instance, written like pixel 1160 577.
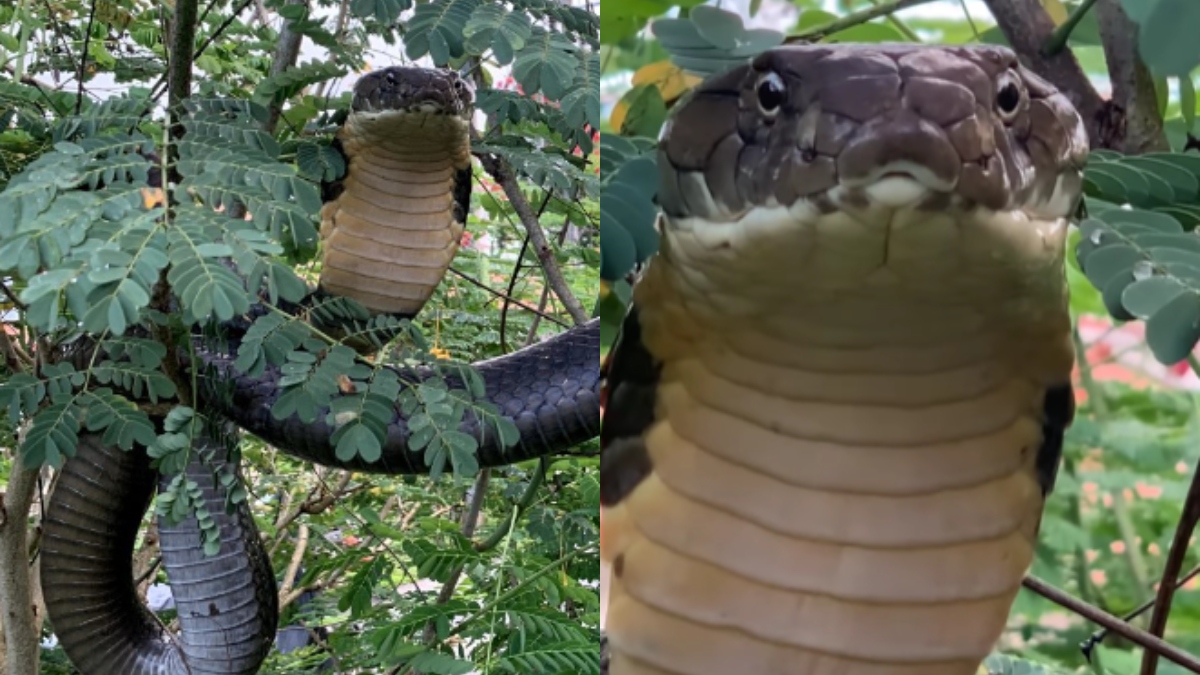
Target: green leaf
pixel 463 453
pixel 358 439
pixel 1146 266
pixel 1173 331
pixel 320 162
pixel 722 44
pixel 436 663
pixel 206 287
pixel 437 28
pixel 53 435
pixel 1167 39
pixel 720 28
pixel 581 104
pixel 1146 297
pixel 357 597
pixel 618 252
pixel 20 395
pixel 647 111
pixel 386 12
pixel 493 26
pixel 576 657
pixel 547 64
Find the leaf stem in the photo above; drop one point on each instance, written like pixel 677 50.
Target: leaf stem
pixel 522 505
pixel 899 25
pixel 1058 39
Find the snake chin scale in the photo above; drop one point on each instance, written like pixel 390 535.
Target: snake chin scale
pixel 895 191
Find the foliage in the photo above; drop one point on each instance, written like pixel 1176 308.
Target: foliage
pixel 107 283
pixel 1128 458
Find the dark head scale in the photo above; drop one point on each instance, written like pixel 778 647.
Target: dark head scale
pixel 407 89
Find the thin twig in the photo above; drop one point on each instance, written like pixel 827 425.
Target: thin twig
pixel 1114 624
pixel 1171 570
pixel 1058 39
pixel 1099 635
pixel 293 568
pixel 503 174
pixel 853 19
pixel 899 25
pixel 13 298
pixel 15 357
pixel 83 55
pixel 150 570
pixel 314 504
pixel 545 297
pixel 522 505
pixel 467 526
pixel 512 285
pixel 59 32
pixel 220 29
pixel 516 273
pixel 518 303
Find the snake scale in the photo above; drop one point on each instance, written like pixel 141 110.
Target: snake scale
pixel 390 229
pixel 838 401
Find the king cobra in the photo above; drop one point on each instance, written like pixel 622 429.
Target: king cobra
pixel 390 228
pixel 838 401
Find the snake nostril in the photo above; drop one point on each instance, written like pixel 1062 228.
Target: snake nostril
pixel 808 154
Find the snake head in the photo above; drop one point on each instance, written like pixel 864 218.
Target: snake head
pixel 413 90
pixel 845 126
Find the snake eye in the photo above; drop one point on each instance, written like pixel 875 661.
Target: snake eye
pixel 391 77
pixel 772 94
pixel 1008 99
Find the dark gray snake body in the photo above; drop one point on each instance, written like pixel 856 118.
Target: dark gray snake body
pixel 227 603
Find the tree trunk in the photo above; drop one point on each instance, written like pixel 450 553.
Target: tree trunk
pixel 21 626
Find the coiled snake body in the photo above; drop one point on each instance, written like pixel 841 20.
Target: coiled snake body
pixel 391 228
pixel 838 402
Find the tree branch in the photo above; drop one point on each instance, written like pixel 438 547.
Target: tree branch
pixel 506 297
pixel 1028 28
pixel 885 8
pixel 83 54
pixel 504 176
pixel 179 73
pixel 470 519
pixel 289 577
pixel 1099 635
pixel 286 53
pixel 16 591
pixel 1132 84
pixel 1171 570
pixel 1114 624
